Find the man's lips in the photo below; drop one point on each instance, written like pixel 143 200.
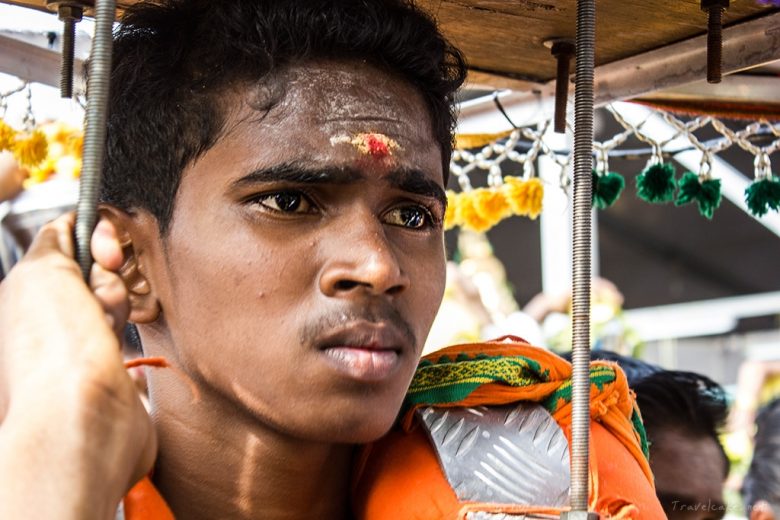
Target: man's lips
pixel 369 352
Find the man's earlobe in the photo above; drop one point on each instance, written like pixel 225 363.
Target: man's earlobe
pixel 144 305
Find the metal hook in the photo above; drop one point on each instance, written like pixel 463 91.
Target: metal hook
pixel 501 109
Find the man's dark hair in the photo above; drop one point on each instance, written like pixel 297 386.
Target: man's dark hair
pixel 762 481
pixel 689 403
pixel 176 62
pixel 635 369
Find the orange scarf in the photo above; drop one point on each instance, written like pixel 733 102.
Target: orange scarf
pixel 399 476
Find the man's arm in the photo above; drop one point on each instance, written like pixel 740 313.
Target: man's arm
pixel 74 435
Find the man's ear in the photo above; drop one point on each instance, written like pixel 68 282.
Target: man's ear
pixel 134 237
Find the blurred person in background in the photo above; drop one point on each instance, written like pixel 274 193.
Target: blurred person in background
pixel 683 413
pixel 761 487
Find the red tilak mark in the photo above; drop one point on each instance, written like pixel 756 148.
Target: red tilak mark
pixel 377 147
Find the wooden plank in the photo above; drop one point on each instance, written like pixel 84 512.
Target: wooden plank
pixel 40 5
pixel 505 37
pixel 486 80
pixel 31 63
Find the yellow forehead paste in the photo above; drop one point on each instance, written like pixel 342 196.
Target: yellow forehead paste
pixel 378 146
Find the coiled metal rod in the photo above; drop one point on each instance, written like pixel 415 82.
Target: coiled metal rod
pixel 581 252
pixel 95 131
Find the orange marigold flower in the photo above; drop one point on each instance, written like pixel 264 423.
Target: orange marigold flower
pixel 468 216
pixel 491 204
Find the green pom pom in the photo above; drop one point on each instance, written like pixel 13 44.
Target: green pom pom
pixel 606 188
pixel 763 195
pixel 656 183
pixel 706 193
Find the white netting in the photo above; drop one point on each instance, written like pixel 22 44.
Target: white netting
pixel 492 157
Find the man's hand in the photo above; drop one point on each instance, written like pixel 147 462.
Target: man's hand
pixel 12 176
pixel 74 435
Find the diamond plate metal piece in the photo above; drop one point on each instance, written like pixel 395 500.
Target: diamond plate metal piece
pixel 481 515
pixel 501 454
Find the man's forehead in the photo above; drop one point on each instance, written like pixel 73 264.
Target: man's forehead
pixel 692 464
pixel 338 93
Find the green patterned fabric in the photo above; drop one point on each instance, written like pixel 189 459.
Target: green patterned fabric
pixel 451 380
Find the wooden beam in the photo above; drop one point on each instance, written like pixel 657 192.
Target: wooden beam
pixel 737 88
pixel 478 79
pixel 32 63
pixel 745 45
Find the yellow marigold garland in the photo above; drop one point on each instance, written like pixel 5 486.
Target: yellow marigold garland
pixel 491 205
pixel 450 217
pixel 524 196
pixel 469 217
pixel 64 153
pixel 7 136
pixel 49 149
pixel 482 208
pixel 30 151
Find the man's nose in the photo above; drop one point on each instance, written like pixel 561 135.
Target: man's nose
pixel 362 260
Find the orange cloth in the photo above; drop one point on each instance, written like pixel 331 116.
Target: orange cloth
pixel 399 476
pixel 144 502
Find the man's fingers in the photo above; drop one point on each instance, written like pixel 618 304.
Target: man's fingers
pixel 110 291
pixel 148 455
pixel 56 236
pixel 105 246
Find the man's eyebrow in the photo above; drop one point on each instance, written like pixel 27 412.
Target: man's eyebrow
pixel 298 173
pixel 415 181
pixel 407 179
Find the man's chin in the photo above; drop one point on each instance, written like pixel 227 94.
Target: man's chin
pixel 354 427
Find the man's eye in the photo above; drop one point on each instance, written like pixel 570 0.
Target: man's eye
pixel 413 217
pixel 285 202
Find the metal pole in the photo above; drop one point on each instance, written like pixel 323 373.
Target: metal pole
pixel 95 131
pixel 581 251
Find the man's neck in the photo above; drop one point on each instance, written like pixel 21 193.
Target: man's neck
pixel 216 461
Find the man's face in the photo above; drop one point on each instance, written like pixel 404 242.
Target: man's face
pixel 689 475
pixel 302 271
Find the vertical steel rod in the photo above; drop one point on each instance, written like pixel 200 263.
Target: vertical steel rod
pixel 68 51
pixel 95 131
pixel 581 252
pixel 714 44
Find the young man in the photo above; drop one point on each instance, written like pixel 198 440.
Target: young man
pixel 761 487
pixel 273 203
pixel 275 177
